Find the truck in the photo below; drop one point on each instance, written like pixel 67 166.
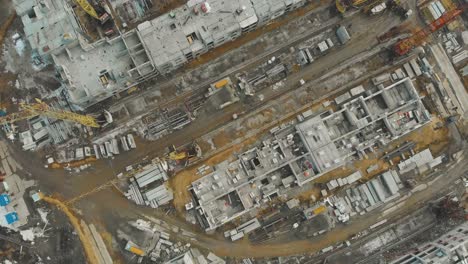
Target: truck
pixel 131 247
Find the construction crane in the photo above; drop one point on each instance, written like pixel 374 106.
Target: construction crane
pixel 90 10
pixel 406 45
pixel 41 108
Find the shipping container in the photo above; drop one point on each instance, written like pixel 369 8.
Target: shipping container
pixel 87 152
pixel 408 70
pixel 123 141
pixel 40 134
pixel 115 146
pixel 79 153
pixel 440 7
pixel 103 151
pixel 322 46
pixel 309 55
pixel 131 141
pixel 96 151
pixel 434 14
pixel 109 149
pixel 415 66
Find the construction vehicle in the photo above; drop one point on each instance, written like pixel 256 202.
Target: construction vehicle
pixel 40 108
pixel 179 155
pixel 130 246
pixel 406 45
pixel 94 11
pixel 343 5
pixel 370 7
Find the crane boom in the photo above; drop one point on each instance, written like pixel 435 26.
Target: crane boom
pixel 40 108
pixel 406 45
pixel 88 8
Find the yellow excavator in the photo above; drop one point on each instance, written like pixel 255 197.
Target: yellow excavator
pixel 40 108
pixel 187 153
pixel 90 10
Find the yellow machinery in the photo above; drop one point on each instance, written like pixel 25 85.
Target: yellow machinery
pixel 342 5
pixel 186 153
pixel 41 108
pixel 88 8
pixel 176 155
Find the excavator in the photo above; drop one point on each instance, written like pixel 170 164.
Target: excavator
pixel 97 12
pixel 404 46
pixel 343 5
pixel 185 154
pixel 40 108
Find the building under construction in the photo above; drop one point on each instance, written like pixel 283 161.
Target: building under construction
pixel 92 72
pixel 295 155
pixel 449 248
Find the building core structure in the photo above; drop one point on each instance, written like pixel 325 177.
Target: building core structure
pixel 92 72
pixel 447 249
pixel 295 155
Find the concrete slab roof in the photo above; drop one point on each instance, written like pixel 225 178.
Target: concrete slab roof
pixel 48 25
pixel 189 29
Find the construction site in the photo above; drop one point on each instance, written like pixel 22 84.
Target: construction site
pixel 246 131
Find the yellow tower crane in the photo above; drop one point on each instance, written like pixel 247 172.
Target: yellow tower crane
pixel 41 108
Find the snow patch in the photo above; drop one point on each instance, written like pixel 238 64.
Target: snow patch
pixel 20 46
pixel 27 235
pixel 43 215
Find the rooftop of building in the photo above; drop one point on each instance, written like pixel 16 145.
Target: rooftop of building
pixel 157 46
pixel 191 27
pixel 48 24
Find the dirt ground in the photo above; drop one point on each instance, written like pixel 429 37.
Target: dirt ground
pixel 163 6
pixel 85 238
